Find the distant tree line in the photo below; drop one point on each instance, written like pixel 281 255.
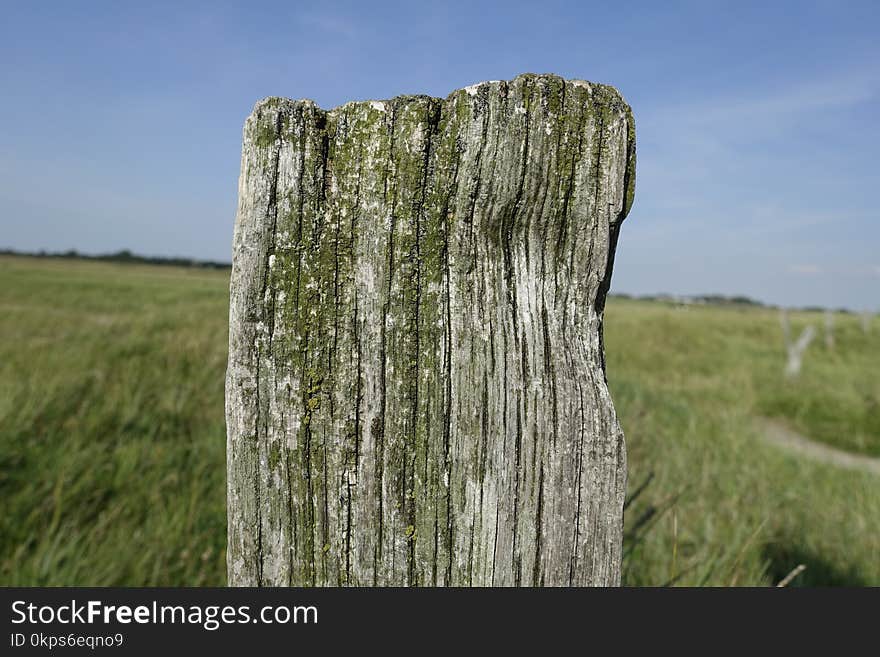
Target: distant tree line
pixel 708 299
pixel 124 256
pixel 717 300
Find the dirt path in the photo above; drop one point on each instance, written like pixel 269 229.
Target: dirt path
pixel 780 435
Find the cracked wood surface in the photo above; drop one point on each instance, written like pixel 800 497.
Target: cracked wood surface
pixel 416 386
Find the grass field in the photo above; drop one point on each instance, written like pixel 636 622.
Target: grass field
pixel 112 435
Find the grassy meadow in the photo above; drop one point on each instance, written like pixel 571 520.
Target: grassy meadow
pixel 112 438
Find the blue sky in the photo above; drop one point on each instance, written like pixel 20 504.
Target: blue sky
pixel 757 123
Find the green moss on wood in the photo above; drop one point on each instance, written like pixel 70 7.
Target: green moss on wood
pixel 391 238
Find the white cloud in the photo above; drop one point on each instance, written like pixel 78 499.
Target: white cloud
pixel 335 25
pixel 834 92
pixel 805 269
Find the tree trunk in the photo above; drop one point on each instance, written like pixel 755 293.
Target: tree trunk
pixel 416 388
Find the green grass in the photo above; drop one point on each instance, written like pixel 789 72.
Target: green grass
pixel 836 398
pixel 727 507
pixel 112 437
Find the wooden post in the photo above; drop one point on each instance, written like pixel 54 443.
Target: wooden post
pixel 829 329
pixel 416 387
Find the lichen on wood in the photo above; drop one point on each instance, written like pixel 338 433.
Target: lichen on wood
pixel 416 386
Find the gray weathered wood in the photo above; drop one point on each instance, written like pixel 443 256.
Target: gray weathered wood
pixel 796 351
pixel 829 329
pixel 416 386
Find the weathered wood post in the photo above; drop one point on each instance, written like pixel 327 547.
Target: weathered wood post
pixel 829 329
pixel 796 351
pixel 416 386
